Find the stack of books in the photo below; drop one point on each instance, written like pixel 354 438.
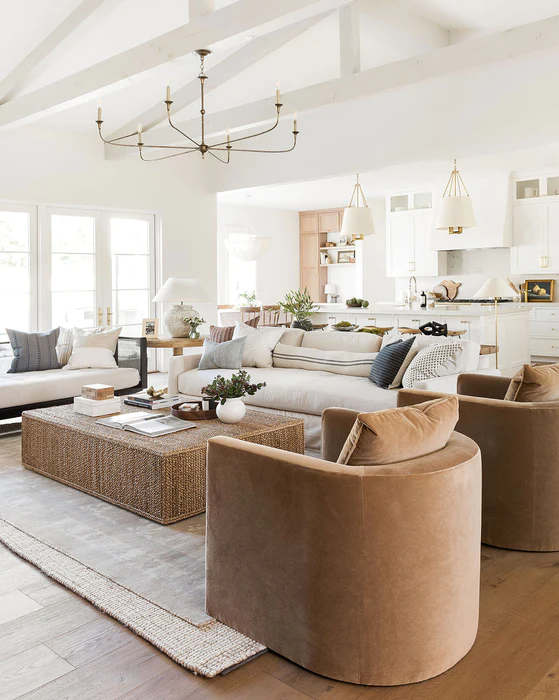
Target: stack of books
pixel 144 400
pixel 97 400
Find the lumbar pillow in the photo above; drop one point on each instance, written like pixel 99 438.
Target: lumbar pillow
pixel 400 434
pixel 260 343
pixel 228 355
pixel 356 364
pixel 535 384
pixel 93 348
pixel 64 345
pixel 33 352
pixel 437 360
pixel 387 363
pixel 221 334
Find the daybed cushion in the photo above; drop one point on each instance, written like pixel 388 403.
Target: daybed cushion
pixel 54 384
pixel 299 390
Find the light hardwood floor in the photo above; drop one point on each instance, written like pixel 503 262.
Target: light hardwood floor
pixel 54 645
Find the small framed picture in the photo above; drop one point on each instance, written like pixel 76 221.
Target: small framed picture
pixel 346 256
pixel 150 327
pixel 539 290
pixel 343 240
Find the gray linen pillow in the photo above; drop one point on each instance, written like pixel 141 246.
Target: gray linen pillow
pixel 228 355
pixel 33 351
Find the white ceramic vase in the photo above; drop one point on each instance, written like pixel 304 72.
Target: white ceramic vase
pixel 174 320
pixel 232 411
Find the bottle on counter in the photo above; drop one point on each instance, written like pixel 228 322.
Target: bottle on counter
pixel 423 299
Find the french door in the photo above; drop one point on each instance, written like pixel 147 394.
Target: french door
pixel 101 269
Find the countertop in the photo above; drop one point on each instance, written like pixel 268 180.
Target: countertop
pixel 442 310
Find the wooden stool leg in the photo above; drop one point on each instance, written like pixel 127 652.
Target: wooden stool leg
pixel 177 351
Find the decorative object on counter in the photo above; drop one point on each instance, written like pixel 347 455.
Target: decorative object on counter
pixel 150 327
pixel 180 289
pixel 423 300
pixel 155 393
pixel 355 303
pixel 345 326
pixel 331 292
pixel 342 242
pixel 330 244
pixel 250 298
pixel 98 392
pixel 324 259
pixel 375 330
pixel 456 211
pixel 539 290
pixel 96 407
pixel 358 218
pixel 220 150
pixel 301 306
pixel 194 410
pixel 451 288
pixel 495 288
pixel 194 323
pixel 229 393
pixel 434 328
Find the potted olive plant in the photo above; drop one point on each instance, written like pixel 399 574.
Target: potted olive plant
pixel 229 393
pixel 301 306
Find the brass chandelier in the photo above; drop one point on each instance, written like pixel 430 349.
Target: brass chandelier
pixel 224 148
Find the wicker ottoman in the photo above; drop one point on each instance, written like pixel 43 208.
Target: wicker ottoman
pixel 163 479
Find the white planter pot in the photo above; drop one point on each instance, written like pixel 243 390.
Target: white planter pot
pixel 232 411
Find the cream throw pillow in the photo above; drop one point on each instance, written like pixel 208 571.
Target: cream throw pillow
pixel 94 348
pixel 260 343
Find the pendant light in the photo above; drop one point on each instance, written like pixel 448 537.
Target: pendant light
pixel 456 211
pixel 249 245
pixel 358 218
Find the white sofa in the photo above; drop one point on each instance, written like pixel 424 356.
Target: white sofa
pixel 304 393
pixel 25 390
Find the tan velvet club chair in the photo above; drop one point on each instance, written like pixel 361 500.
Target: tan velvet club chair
pixel 363 574
pixel 520 453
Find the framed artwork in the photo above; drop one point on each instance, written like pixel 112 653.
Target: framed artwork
pixel 346 256
pixel 150 327
pixel 539 290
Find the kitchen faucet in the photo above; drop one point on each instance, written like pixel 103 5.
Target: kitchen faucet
pixel 410 297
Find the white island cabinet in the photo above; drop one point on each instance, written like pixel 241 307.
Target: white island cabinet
pixel 477 320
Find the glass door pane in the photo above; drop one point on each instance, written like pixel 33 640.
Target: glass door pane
pixel 73 271
pixel 17 269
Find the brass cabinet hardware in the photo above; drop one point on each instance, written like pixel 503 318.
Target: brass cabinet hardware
pixel 99 316
pixel 109 316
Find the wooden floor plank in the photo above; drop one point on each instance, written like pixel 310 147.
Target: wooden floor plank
pixel 108 677
pixel 18 576
pixel 171 685
pixel 48 592
pixel 548 687
pixel 30 670
pixel 16 604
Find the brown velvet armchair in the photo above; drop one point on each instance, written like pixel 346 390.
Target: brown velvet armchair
pixel 519 445
pixel 363 574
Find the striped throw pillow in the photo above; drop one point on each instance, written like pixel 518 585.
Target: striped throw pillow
pixel 388 362
pixel 222 334
pixel 356 364
pixel 33 352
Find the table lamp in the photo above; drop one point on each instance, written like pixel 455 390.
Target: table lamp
pixel 495 288
pixel 181 290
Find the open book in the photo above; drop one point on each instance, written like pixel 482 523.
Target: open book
pixel 146 423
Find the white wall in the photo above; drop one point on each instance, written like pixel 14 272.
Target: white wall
pixel 277 270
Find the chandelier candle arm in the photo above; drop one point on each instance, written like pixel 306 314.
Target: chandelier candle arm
pixel 201 147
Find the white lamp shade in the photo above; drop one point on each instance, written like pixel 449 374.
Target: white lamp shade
pixel 248 247
pixel 455 212
pixel 494 287
pixel 181 289
pixel 358 221
pixel 330 289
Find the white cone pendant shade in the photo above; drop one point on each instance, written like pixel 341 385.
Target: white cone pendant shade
pixel 358 218
pixel 456 211
pixel 248 247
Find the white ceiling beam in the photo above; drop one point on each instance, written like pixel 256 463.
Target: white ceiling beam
pixel 16 78
pixel 507 45
pixel 418 33
pixel 240 16
pixel 240 60
pixel 350 41
pixel 200 8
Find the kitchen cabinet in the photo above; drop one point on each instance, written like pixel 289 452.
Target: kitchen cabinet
pixel 536 238
pixel 329 222
pixel 535 186
pixel 408 247
pixel 312 276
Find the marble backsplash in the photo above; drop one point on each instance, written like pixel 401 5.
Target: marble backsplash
pixel 471 268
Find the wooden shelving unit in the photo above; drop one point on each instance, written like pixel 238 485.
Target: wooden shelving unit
pixel 314 227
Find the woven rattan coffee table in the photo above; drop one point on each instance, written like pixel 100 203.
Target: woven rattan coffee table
pixel 162 478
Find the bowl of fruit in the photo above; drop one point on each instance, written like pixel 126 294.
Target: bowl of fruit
pixel 345 326
pixel 355 303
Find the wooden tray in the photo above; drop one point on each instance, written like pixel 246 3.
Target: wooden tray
pixel 192 415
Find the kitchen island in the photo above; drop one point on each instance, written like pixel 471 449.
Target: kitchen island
pixel 478 320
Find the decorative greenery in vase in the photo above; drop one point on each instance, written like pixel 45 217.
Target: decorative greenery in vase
pixel 194 323
pixel 238 386
pixel 301 306
pixel 249 297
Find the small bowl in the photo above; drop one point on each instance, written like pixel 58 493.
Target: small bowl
pixel 192 415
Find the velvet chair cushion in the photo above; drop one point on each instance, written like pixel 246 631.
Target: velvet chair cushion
pixel 535 384
pixel 400 434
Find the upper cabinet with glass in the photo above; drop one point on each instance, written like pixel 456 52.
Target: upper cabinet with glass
pixel 410 202
pixel 532 188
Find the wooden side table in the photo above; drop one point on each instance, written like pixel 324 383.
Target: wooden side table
pixel 177 344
